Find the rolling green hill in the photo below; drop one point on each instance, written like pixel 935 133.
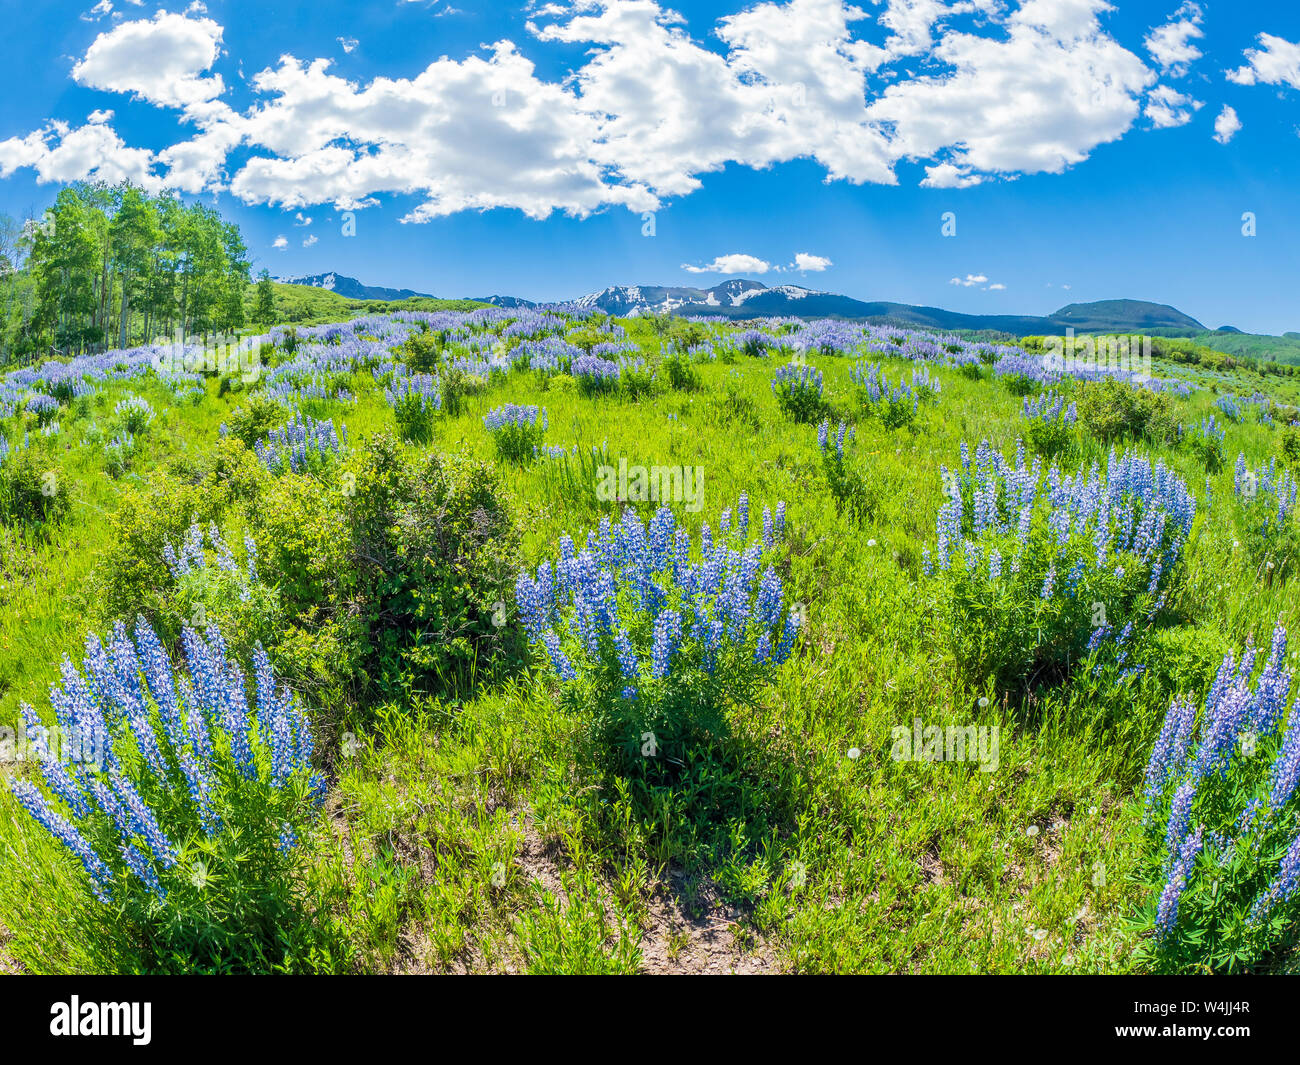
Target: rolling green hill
pixel 306 305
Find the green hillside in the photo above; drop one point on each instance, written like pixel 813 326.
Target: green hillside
pixel 306 305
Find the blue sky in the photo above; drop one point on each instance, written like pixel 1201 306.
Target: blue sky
pixel 1088 151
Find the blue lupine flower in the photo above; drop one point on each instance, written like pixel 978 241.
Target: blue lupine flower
pixel 1179 873
pixel 302 442
pixel 125 685
pixel 66 833
pixel 694 606
pixel 1283 886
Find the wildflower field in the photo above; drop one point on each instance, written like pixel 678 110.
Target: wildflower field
pixel 539 641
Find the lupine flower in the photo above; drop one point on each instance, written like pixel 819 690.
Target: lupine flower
pixel 697 609
pixel 126 688
pixel 301 442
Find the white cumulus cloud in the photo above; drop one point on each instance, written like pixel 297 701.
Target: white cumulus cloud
pixel 1167 107
pixel 648 110
pixel 1226 125
pixel 979 281
pixel 1275 62
pixel 812 264
pixel 162 60
pixel 731 264
pixel 1171 45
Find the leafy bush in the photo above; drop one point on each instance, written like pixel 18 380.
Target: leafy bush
pixel 516 430
pixel 1111 409
pixel 653 640
pixel 302 537
pixel 30 491
pixel 1221 812
pixel 422 351
pixel 433 546
pixel 457 387
pixel 131 575
pixel 252 421
pixel 798 391
pixel 1033 577
pixel 183 805
pixel 1289 446
pixel 234 470
pixel 1051 420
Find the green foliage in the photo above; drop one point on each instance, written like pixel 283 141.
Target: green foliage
pixel 422 351
pixel 32 490
pixel 264 308
pixel 681 374
pixel 149 517
pixel 637 382
pixel 416 417
pixel 1289 446
pixel 1205 446
pixel 1049 437
pixel 433 548
pixel 113 266
pixel 252 421
pixel 1112 410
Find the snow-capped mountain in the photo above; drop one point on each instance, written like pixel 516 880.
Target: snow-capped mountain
pixel 742 298
pixel 350 287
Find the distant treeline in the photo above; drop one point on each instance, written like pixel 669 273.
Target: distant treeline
pixel 1190 353
pixel 111 266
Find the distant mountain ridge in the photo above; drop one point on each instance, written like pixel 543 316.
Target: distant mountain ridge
pixel 353 289
pixel 752 299
pixel 742 298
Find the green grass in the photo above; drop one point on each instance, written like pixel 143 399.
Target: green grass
pixel 468 836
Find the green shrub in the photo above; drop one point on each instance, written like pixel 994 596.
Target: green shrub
pixel 1112 410
pixel 1289 446
pixel 251 422
pixel 433 546
pixel 422 351
pixel 32 492
pixel 301 533
pixel 681 373
pixel 131 576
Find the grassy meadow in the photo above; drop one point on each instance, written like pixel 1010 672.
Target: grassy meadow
pixel 467 825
